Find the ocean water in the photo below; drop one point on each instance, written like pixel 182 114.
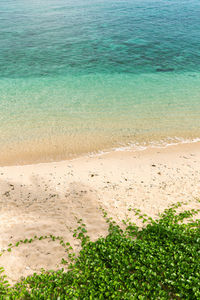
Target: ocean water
pixel 82 76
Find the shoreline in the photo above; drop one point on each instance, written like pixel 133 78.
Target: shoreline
pixel 129 148
pixel 46 198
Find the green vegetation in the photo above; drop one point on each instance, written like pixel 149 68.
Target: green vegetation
pixel 159 261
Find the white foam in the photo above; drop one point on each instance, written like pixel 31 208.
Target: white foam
pixel 134 147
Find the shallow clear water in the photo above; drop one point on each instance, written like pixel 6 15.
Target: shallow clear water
pixel 88 75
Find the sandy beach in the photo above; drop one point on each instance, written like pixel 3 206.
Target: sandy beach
pixel 48 198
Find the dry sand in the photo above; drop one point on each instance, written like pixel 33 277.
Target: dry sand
pixel 48 198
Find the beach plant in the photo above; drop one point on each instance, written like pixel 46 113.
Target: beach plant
pixel 160 260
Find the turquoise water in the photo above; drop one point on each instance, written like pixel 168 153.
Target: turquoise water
pixel 87 75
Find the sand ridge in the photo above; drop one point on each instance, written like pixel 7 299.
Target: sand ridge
pixel 49 198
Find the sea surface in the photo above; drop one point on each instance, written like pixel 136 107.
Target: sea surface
pixel 83 76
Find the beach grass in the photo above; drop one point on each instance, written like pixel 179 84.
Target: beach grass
pixel 160 260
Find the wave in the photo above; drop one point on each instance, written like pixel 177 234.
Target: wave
pixel 135 147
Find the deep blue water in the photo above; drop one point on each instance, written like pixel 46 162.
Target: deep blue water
pixel 50 37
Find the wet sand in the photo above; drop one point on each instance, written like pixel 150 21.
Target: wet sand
pixel 48 198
